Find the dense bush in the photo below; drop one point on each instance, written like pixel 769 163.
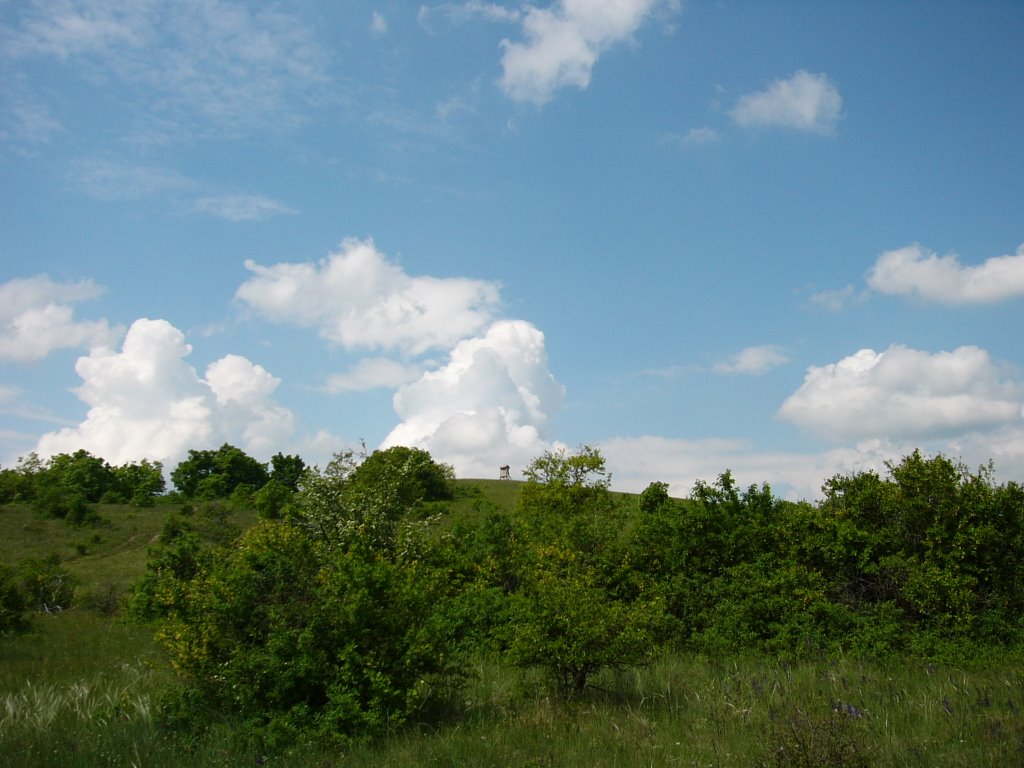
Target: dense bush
pixel 47 585
pixel 209 474
pixel 64 484
pixel 13 601
pixel 329 621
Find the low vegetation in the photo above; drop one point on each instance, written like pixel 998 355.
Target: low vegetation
pixel 379 612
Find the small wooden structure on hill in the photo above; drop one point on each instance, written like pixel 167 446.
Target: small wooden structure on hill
pixel 504 473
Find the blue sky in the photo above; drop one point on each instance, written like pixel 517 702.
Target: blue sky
pixel 783 239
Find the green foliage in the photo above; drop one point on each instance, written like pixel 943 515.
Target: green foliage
pixel 208 474
pixel 414 474
pixel 575 613
pixel 81 474
pixel 935 542
pixel 47 584
pixel 287 470
pixel 174 561
pixel 19 484
pixel 14 602
pixel 54 501
pixel 570 624
pixel 140 482
pixel 65 484
pixel 272 499
pixel 350 615
pixel 328 622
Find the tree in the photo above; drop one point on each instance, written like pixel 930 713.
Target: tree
pixel 140 482
pixel 81 473
pixel 287 470
pixel 215 474
pixel 412 471
pixel 271 500
pixel 576 613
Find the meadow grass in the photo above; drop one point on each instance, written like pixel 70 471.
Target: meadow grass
pixel 84 691
pixel 693 711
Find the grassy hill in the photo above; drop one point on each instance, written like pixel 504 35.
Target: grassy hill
pixel 107 557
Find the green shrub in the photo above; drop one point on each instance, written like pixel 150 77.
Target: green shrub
pixel 330 623
pixel 14 602
pixel 48 586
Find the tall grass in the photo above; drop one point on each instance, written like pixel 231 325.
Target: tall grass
pixel 680 711
pixel 744 712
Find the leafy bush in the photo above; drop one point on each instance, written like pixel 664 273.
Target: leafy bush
pixel 575 613
pixel 13 601
pixel 207 474
pixel 327 623
pixel 47 585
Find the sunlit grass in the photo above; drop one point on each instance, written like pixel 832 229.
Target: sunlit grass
pixel 685 711
pixel 37 707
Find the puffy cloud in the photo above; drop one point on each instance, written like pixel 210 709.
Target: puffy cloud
pixel 914 271
pixel 145 401
pixel 904 393
pixel 378 24
pixel 36 318
pixel 243 392
pixel 804 102
pixel 357 298
pixel 489 405
pixel 753 360
pixel 564 42
pixel 371 373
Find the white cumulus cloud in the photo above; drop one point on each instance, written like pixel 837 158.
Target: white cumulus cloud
pixel 753 360
pixel 372 373
pixel 904 393
pixel 489 405
pixel 915 271
pixel 563 43
pixel 146 401
pixel 804 102
pixel 358 299
pixel 37 317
